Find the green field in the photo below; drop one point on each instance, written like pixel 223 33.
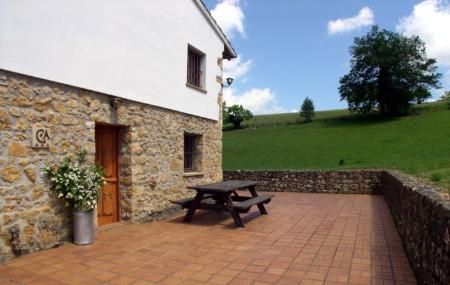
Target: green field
pixel 418 144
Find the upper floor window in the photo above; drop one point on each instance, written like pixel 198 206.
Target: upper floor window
pixel 196 68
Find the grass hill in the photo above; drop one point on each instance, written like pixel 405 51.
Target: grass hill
pixel 418 144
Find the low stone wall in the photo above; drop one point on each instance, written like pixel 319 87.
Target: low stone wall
pixel 421 214
pixel 348 182
pixel 422 217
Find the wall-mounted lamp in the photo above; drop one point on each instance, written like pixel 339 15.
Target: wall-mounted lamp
pixel 116 102
pixel 229 81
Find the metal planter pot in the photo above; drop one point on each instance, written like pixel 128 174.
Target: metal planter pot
pixel 83 227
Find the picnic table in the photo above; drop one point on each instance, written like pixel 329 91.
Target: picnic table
pixel 226 199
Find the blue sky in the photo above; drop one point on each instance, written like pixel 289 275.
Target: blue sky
pixel 292 49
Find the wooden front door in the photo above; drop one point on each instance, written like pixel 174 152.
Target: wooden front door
pixel 106 155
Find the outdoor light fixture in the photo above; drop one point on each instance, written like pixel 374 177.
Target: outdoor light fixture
pixel 229 81
pixel 116 103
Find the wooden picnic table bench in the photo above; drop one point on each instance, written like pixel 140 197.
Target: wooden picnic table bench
pixel 226 199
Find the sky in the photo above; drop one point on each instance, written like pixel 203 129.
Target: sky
pixel 290 49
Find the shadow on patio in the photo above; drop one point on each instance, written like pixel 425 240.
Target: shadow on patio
pixel 305 239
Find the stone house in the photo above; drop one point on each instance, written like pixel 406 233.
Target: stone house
pixel 137 84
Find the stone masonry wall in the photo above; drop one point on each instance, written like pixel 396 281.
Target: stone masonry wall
pixel 150 157
pixel 422 217
pixel 350 182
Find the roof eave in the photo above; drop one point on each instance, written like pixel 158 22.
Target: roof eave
pixel 229 52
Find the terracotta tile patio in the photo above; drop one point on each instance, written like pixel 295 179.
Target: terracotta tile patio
pixel 305 239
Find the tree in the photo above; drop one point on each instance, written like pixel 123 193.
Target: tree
pixel 236 114
pixel 446 98
pixel 307 110
pixel 388 71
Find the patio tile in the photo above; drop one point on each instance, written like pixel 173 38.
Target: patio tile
pixel 256 268
pixel 98 274
pixel 305 239
pixel 154 277
pixel 201 276
pixel 230 272
pixel 248 275
pixel 142 282
pixel 122 280
pixel 269 278
pixel 288 280
pixel 220 280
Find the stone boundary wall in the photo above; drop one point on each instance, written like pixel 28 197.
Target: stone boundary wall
pixel 348 182
pixel 421 214
pixel 422 217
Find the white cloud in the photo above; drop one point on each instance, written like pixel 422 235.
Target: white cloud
pixel 259 101
pixel 230 17
pixel 236 68
pixel 364 18
pixel 430 20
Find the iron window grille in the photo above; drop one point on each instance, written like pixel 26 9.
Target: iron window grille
pixel 190 152
pixel 194 69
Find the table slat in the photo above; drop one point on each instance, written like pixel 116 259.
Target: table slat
pixel 225 186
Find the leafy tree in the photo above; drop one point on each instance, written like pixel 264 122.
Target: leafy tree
pixel 446 98
pixel 236 114
pixel 388 71
pixel 307 110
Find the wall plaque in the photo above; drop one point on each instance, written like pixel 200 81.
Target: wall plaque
pixel 41 137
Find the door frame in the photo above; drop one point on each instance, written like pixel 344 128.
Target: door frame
pixel 116 129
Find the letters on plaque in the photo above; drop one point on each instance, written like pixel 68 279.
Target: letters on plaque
pixel 41 137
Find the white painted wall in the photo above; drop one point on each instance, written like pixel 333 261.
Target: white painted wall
pixel 135 49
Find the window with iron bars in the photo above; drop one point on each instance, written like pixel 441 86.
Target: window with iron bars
pixel 191 152
pixel 195 67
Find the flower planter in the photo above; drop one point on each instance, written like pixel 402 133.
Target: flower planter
pixel 83 227
pixel 78 183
